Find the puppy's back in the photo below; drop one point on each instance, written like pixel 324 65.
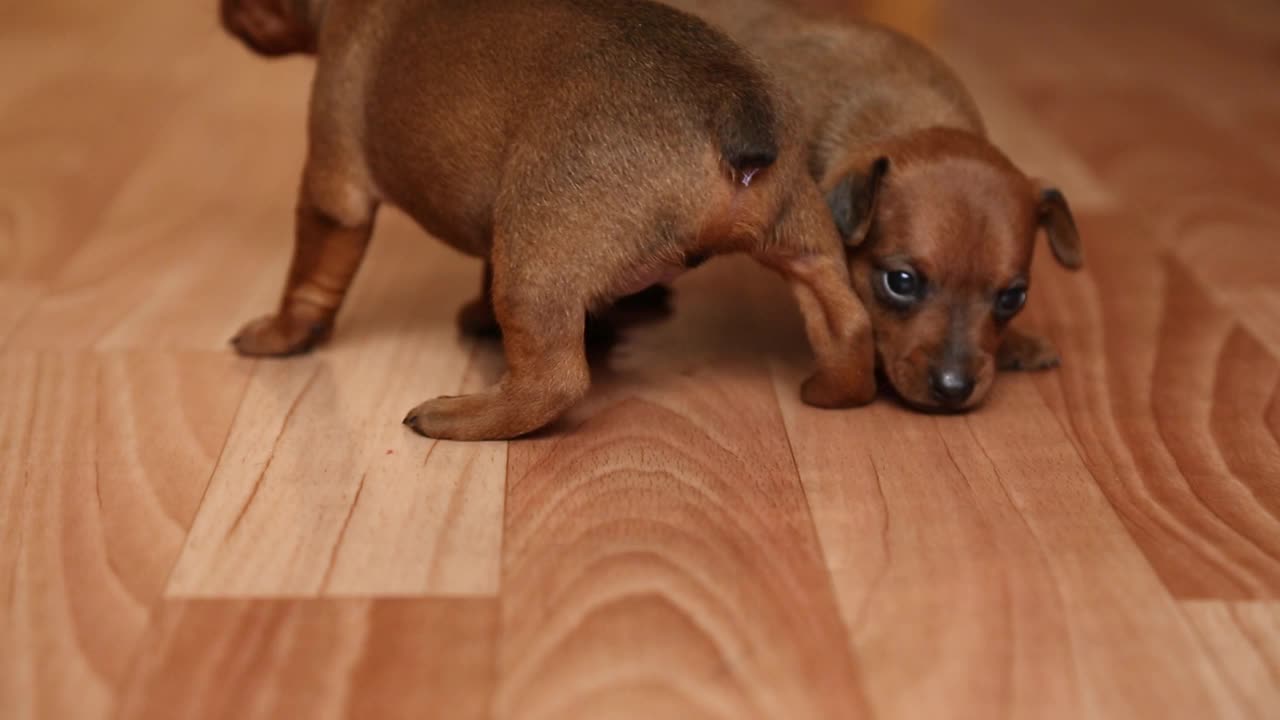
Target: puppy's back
pixel 696 66
pixel 461 85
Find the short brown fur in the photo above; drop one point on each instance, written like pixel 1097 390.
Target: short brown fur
pixel 584 148
pixel 900 150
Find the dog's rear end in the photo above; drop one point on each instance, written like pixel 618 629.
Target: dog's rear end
pixel 582 147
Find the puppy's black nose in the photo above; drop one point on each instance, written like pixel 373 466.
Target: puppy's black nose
pixel 951 386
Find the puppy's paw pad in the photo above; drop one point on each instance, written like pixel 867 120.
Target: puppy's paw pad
pixel 276 336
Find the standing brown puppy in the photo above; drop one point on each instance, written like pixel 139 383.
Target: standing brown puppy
pixel 939 224
pixel 585 148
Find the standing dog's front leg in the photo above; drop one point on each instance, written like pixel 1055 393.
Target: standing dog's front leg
pixel 327 252
pixel 838 328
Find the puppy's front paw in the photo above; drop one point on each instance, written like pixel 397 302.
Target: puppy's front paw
pixel 824 391
pixel 279 336
pixel 1019 351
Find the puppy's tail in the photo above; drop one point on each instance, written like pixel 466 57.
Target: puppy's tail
pixel 746 125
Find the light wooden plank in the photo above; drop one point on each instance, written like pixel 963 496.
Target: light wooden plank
pixel 659 560
pixel 77 117
pixel 49 200
pixel 1243 639
pixel 445 511
pixel 186 271
pixel 102 464
pixel 322 490
pixel 315 659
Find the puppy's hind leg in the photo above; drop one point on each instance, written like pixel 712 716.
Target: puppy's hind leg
pixel 542 319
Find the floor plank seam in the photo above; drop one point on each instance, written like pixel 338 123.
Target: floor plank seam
pixel 1076 676
pixel 882 572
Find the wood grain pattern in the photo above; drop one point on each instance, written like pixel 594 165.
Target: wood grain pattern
pixel 102 465
pixel 321 490
pixel 963 587
pixel 669 522
pixel 184 534
pixel 61 145
pixel 1153 377
pixel 1243 639
pixel 276 659
pixel 1168 346
pixel 1007 505
pixel 104 292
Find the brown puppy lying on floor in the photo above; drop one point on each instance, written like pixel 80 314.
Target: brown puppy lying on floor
pixel 940 225
pixel 585 148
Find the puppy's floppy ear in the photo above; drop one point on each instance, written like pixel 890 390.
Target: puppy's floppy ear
pixel 269 27
pixel 1054 215
pixel 853 201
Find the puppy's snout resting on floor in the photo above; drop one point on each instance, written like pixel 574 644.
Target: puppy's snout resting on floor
pixel 944 232
pixel 939 224
pixel 582 147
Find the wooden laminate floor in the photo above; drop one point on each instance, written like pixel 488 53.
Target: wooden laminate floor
pixel 188 534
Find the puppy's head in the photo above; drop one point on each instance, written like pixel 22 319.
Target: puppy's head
pixel 940 229
pixel 271 27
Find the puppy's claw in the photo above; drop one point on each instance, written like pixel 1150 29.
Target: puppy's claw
pixel 413 421
pixel 445 418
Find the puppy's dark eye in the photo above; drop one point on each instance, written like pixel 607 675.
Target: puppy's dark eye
pixel 1010 301
pixel 900 288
